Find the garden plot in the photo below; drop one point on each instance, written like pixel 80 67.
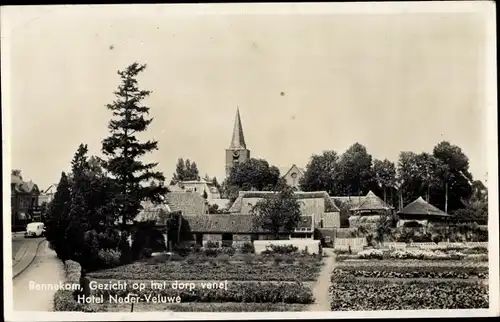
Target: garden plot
pixel 408 284
pixel 262 283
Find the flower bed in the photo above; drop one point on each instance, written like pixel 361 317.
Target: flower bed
pixel 411 272
pixel 255 292
pixel 370 295
pixel 413 254
pixel 270 271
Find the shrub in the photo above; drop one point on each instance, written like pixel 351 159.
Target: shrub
pixel 289 260
pixel 212 244
pixel 211 252
pixel 230 251
pixel 280 249
pixel 247 248
pixel 64 300
pixel 147 252
pixel 109 257
pixel 278 259
pixel 248 259
pixel 224 258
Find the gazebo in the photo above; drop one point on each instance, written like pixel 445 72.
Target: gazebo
pixel 368 210
pixel 422 212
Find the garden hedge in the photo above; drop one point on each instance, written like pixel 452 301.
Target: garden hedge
pixel 64 299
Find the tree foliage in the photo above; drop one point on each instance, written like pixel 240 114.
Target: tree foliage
pixel 322 173
pixel 57 219
pixel 355 171
pixel 252 174
pixel 124 150
pixel 185 170
pixel 278 213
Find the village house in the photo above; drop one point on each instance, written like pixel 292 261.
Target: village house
pixel 24 201
pixel 47 195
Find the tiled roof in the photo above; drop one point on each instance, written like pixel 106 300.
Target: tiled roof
pixel 221 203
pixel 421 207
pixel 221 223
pixel 360 203
pixel 329 204
pixel 234 223
pixel 153 212
pixel 189 203
pixel 371 202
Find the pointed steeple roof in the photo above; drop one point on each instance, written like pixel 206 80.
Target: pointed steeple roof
pixel 238 140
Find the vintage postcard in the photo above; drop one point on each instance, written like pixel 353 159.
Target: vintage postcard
pixel 250 161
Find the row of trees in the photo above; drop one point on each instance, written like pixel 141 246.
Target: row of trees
pixel 87 220
pixel 441 177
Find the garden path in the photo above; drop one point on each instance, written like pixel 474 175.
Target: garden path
pixel 321 287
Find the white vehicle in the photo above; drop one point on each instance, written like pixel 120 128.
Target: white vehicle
pixel 35 229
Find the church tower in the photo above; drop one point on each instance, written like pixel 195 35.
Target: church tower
pixel 237 152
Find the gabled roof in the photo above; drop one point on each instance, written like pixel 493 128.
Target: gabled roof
pixel 238 139
pixel 300 170
pixel 422 207
pixel 329 204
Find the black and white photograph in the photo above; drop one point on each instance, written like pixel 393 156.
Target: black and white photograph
pixel 249 161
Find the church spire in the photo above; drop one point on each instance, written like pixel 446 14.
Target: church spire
pixel 238 140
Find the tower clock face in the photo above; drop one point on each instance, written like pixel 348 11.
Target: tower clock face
pixel 236 154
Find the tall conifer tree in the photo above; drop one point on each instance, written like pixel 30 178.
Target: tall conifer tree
pixel 124 150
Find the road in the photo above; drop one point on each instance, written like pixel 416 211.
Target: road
pixel 46 269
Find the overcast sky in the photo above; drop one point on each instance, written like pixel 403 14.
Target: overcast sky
pixel 390 82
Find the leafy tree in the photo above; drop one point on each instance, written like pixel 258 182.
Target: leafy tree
pixel 278 213
pixel 252 174
pixel 322 173
pixel 455 179
pixel 185 171
pixel 57 219
pixel 385 175
pixel 124 150
pixel 355 171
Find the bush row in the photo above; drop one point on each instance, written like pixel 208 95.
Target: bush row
pixel 306 271
pixel 411 272
pixel 205 307
pixel 64 300
pixel 450 264
pixel 371 295
pixel 254 292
